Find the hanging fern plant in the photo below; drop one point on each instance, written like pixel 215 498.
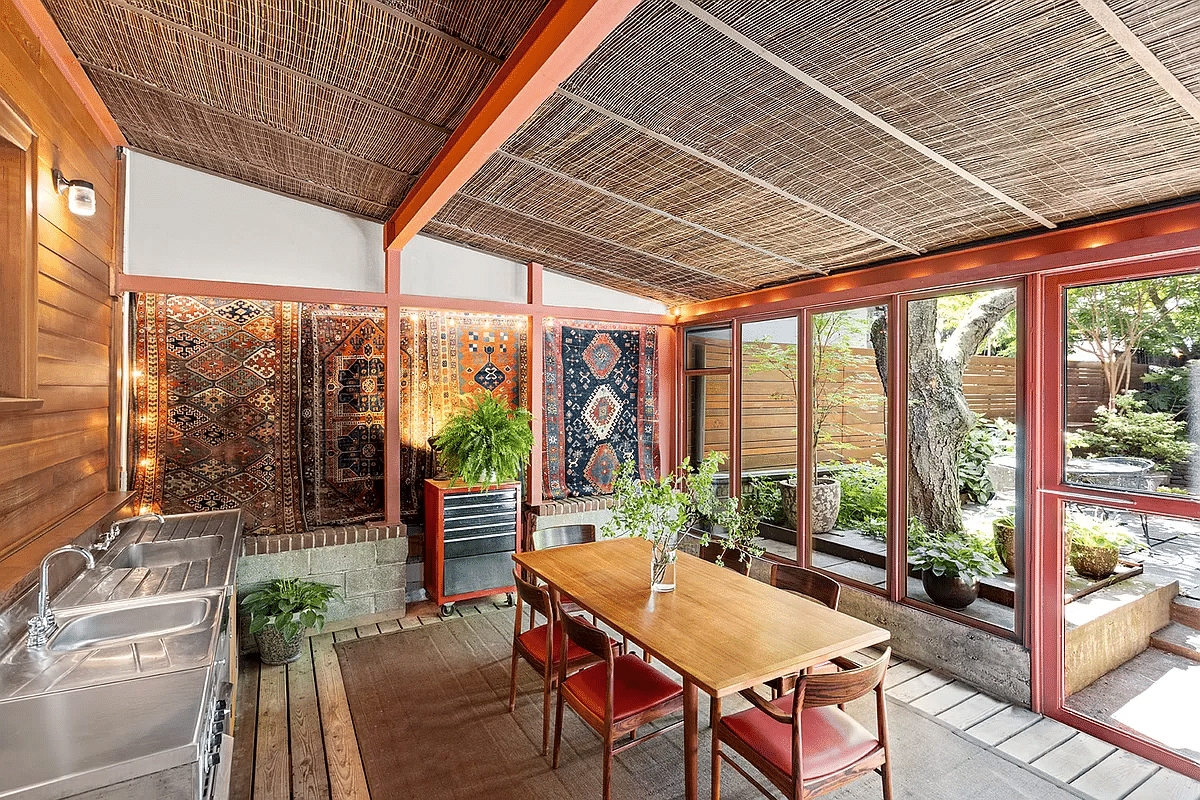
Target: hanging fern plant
pixel 487 441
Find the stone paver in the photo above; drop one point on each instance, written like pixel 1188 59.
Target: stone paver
pixel 919 686
pixel 1166 785
pixel 1038 739
pixel 1007 723
pixel 945 697
pixel 972 710
pixel 1073 757
pixel 1115 776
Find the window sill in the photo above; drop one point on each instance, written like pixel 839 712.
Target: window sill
pixel 11 405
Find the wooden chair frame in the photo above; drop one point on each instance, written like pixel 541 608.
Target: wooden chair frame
pixel 592 639
pixel 838 688
pixel 538 599
pixel 808 583
pixel 728 557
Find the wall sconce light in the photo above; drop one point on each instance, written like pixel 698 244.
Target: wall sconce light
pixel 81 195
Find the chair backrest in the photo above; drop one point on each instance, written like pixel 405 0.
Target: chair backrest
pixel 583 633
pixel 559 535
pixel 730 558
pixel 807 582
pixel 838 688
pixel 530 594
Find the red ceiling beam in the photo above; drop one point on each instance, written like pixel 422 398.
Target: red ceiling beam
pixel 559 40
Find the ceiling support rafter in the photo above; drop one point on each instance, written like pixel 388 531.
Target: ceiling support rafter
pixel 846 103
pixel 1115 27
pixel 746 176
pixel 266 62
pixel 552 257
pixel 275 168
pixel 560 39
pixel 712 276
pixel 399 173
pixel 448 38
pixel 666 214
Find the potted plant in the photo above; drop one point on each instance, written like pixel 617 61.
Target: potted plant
pixel 1004 530
pixel 1095 545
pixel 487 441
pixel 1129 429
pixel 658 511
pixel 281 610
pixel 951 566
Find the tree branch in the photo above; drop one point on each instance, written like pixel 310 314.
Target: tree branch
pixel 981 317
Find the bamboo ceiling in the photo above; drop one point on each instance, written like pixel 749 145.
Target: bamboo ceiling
pixel 707 147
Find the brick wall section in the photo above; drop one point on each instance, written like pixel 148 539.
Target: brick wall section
pixel 367 564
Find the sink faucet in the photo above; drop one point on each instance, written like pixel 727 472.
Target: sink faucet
pixel 43 625
pixel 114 531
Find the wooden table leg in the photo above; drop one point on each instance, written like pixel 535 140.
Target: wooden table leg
pixel 714 721
pixel 691 741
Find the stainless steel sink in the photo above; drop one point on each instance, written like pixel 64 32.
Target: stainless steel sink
pixel 101 626
pixel 167 554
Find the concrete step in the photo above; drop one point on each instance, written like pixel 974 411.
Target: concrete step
pixel 1179 639
pixel 1186 611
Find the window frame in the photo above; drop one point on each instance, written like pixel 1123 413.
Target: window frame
pixel 18 269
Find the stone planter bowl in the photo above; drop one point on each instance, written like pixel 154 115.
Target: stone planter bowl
pixel 826 503
pixel 949 591
pixel 1094 562
pixel 1005 535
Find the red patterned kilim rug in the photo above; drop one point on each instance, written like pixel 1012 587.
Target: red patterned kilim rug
pixel 342 403
pixel 215 395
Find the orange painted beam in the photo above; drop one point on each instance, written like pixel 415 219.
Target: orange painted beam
pixel 247 291
pixel 54 45
pixel 559 40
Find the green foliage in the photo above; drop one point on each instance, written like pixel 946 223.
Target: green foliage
pixel 487 440
pixel 864 498
pixel 1087 531
pixel 289 604
pixel 1131 430
pixel 763 499
pixel 701 489
pixel 984 440
pixel 955 555
pixel 1166 389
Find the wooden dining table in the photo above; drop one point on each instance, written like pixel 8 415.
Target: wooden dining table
pixel 721 631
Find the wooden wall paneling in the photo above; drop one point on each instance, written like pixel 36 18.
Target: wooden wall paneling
pixel 54 461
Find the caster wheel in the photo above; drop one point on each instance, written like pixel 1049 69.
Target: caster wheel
pixel 446 610
pixel 511 601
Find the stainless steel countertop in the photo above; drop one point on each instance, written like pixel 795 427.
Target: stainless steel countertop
pixel 71 721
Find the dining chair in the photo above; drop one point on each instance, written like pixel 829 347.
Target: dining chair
pixel 614 697
pixel 541 646
pixel 805 743
pixel 815 586
pixel 730 558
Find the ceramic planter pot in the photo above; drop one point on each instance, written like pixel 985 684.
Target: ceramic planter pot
pixel 950 591
pixel 1005 536
pixel 273 648
pixel 1094 562
pixel 826 503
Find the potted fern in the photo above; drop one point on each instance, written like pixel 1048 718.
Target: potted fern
pixel 487 442
pixel 279 613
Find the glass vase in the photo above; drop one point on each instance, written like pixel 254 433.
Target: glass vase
pixel 662 567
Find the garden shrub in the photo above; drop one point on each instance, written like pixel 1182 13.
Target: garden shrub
pixel 864 498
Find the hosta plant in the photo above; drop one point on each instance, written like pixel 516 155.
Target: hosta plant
pixel 487 441
pixel 290 605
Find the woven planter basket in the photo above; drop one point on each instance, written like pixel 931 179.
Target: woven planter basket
pixel 273 648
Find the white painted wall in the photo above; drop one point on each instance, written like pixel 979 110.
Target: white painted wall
pixel 183 223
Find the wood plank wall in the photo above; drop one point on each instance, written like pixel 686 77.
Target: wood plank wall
pixel 55 460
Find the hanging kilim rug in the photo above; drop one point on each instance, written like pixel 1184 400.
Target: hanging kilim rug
pixel 469 353
pixel 342 407
pixel 601 406
pixel 216 403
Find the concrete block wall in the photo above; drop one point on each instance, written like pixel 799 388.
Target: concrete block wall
pixel 366 564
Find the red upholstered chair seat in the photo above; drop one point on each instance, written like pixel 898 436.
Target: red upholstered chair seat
pixel 637 686
pixel 831 739
pixel 534 641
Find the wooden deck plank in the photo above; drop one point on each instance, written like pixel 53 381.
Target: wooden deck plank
pixel 245 727
pixel 345 635
pixel 347 781
pixel 272 778
pixel 310 778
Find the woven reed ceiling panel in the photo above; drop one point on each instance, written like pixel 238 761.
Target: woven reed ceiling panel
pixel 687 145
pixel 339 102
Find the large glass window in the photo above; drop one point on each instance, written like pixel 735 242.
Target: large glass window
pixel 768 445
pixel 963 470
pixel 707 384
pixel 849 485
pixel 1132 353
